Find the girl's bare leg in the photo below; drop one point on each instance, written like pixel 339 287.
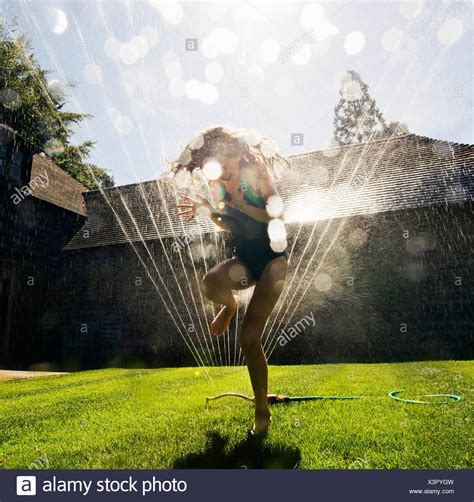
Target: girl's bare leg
pixel 218 283
pixel 264 298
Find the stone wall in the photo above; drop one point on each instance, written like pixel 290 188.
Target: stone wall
pixel 33 233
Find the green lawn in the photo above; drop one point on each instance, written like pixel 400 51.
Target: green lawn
pixel 120 418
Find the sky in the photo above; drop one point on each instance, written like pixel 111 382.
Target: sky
pixel 154 73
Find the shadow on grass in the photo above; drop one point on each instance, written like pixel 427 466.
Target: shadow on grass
pixel 252 453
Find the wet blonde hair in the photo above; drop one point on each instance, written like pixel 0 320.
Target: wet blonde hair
pixel 229 142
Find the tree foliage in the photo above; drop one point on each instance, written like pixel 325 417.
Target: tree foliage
pixel 357 118
pixel 34 108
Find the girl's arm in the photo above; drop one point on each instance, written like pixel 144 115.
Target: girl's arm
pixel 189 209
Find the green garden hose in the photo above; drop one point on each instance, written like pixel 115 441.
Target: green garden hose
pixel 279 399
pixel 451 397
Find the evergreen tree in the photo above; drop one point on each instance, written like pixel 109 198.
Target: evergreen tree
pixel 34 108
pixel 357 118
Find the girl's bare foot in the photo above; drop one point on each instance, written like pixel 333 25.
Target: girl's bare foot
pixel 222 320
pixel 263 419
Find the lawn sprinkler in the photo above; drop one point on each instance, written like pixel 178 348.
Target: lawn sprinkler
pixel 279 398
pixel 282 399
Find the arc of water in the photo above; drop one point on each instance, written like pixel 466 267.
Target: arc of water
pixel 216 242
pixel 328 224
pixel 226 337
pixel 274 341
pixel 236 333
pixel 163 247
pixel 45 93
pixel 386 69
pixel 188 282
pixel 300 261
pixel 196 277
pixel 132 218
pixel 169 261
pixel 204 255
pixel 91 172
pixel 334 239
pixel 175 276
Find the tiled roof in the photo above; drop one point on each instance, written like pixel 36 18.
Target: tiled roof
pixel 405 171
pixel 61 189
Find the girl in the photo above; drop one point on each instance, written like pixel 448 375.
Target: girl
pixel 239 166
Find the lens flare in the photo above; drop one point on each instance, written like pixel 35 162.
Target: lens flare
pixel 211 169
pixel 252 137
pixel 58 21
pixel 323 282
pixel 185 157
pixel 274 206
pixel 203 212
pixel 237 272
pixel 279 246
pixel 268 149
pixel 277 234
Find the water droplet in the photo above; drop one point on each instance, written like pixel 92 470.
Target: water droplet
pixel 212 169
pixel 354 43
pixel 267 148
pixel 303 56
pixel 123 125
pixel 209 93
pixel 274 206
pixel 278 246
pixel 213 72
pixel 173 69
pixel 276 230
pixel 10 99
pixel 93 74
pixel 112 48
pixel 128 53
pixel 450 31
pixel 150 34
pixel 323 282
pixel 185 157
pixel 252 137
pixel 237 272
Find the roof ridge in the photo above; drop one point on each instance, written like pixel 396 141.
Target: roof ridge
pixel 381 140
pixel 444 141
pixel 352 145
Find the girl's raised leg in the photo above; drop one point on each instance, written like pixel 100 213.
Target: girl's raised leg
pixel 218 283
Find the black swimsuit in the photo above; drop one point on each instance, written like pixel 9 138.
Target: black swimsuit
pixel 250 236
pixel 251 241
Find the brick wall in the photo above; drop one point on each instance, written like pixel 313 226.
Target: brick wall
pixel 392 287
